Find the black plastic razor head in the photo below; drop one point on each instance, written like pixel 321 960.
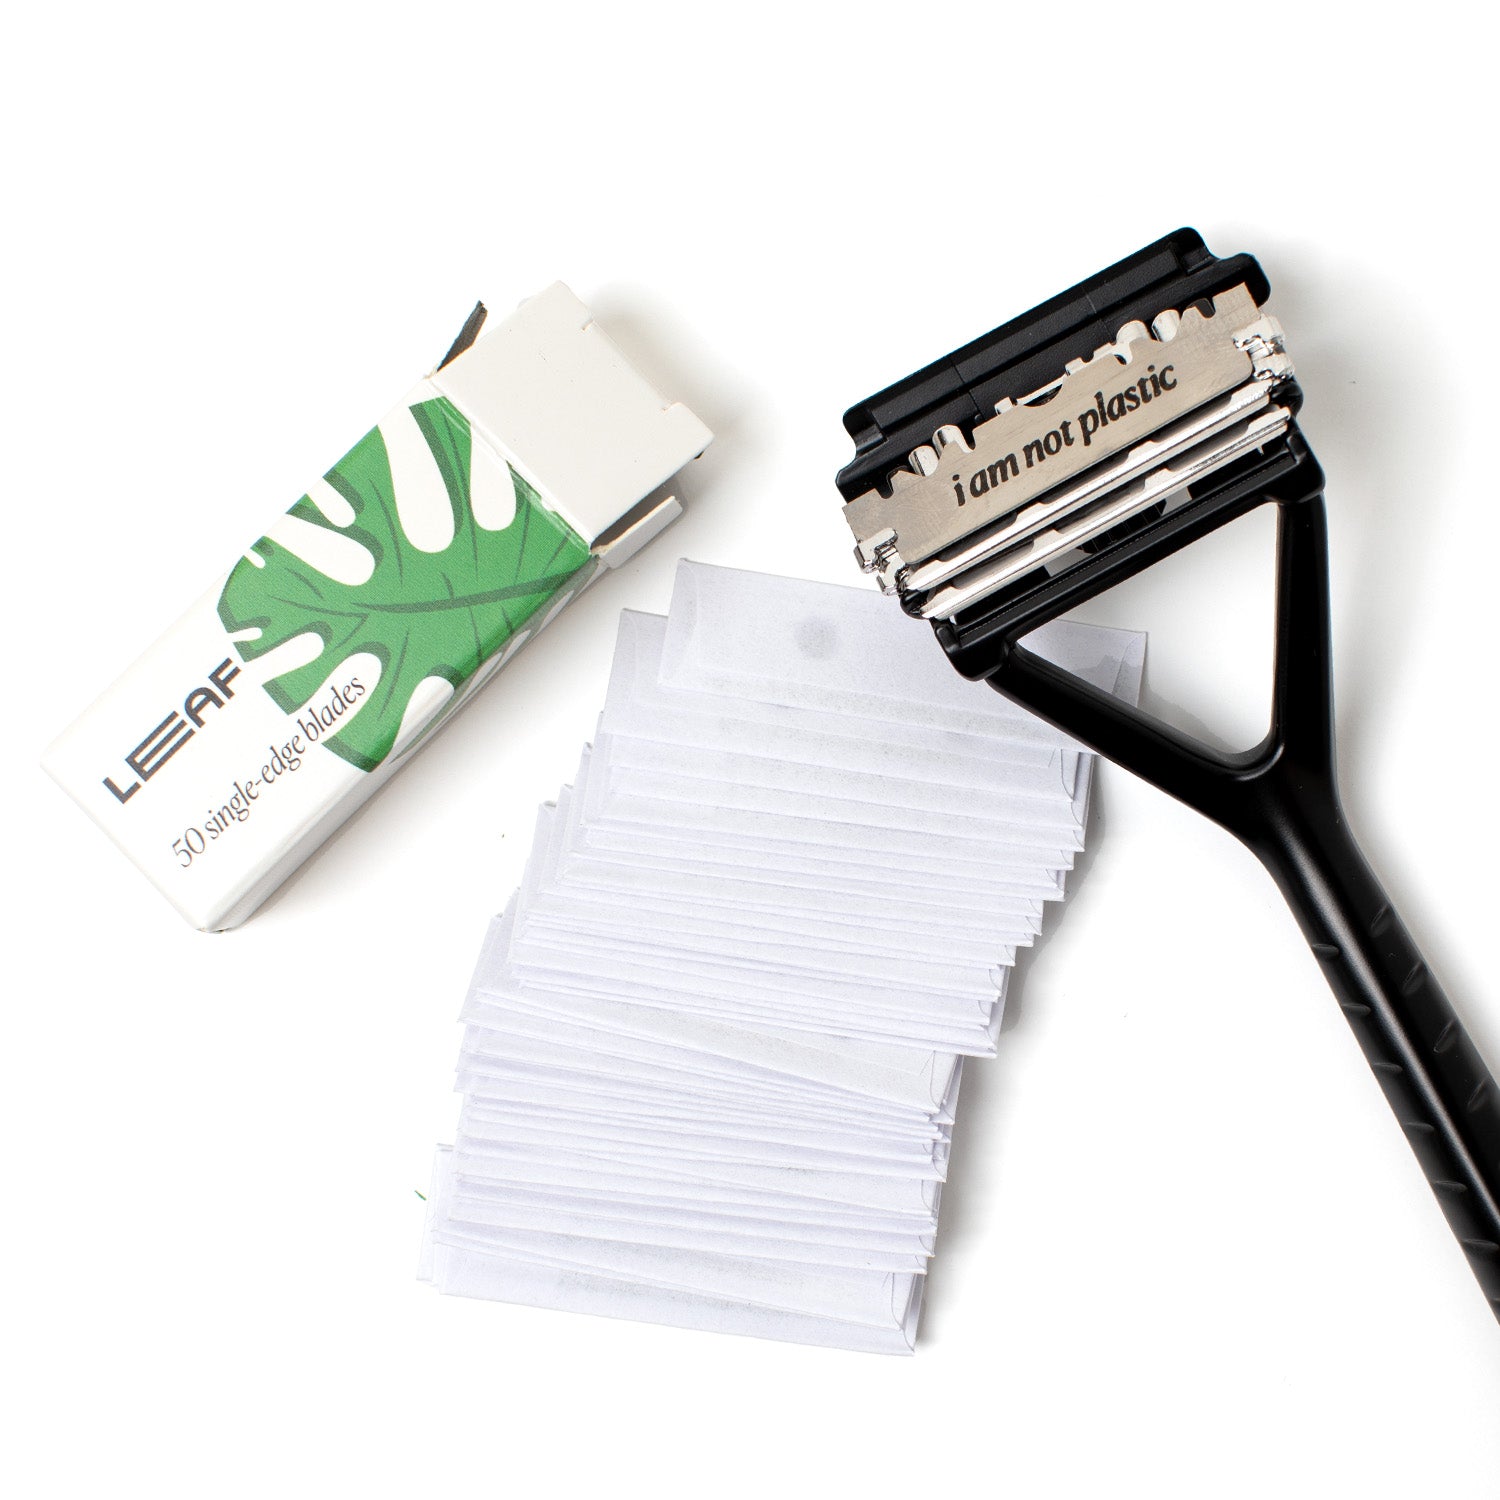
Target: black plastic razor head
pixel 1028 351
pixel 1075 445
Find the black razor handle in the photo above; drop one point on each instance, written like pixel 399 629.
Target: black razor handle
pixel 1282 801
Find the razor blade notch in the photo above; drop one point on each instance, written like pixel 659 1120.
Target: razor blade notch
pixel 1281 799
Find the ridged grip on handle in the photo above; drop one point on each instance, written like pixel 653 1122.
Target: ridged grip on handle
pixel 1434 1078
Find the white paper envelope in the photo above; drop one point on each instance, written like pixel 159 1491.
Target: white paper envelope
pixel 638 1293
pixel 608 1121
pixel 1044 797
pixel 765 858
pixel 864 1297
pixel 859 1254
pixel 762 906
pixel 500 1162
pixel 586 1178
pixel 668 938
pixel 503 1046
pixel 974 1040
pixel 746 994
pixel 1027 823
pixel 824 1150
pixel 638 703
pixel 846 650
pixel 503 1037
pixel 490 1069
pixel 734 956
pixel 735 1094
pixel 839 845
pixel 575 848
pixel 946 1029
pixel 490 1203
pixel 705 820
pixel 707 1158
pixel 762 1139
pixel 1015 895
pixel 489 1276
pixel 905 1076
pixel 687 889
pixel 687 930
pixel 750 996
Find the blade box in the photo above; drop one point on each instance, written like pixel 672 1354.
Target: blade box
pixel 453 532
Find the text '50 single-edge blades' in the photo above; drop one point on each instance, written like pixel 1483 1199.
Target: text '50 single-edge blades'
pixel 1075 446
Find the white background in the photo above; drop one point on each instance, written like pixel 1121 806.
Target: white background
pixel 1184 1251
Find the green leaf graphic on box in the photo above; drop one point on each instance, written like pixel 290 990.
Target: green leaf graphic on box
pixel 423 614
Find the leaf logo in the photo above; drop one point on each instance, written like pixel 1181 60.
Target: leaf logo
pixel 423 614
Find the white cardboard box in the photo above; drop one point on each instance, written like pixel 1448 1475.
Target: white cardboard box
pixel 404 578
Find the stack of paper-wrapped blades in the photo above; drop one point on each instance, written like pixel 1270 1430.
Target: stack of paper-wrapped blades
pixel 713 1045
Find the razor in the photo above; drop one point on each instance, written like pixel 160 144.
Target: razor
pixel 1070 449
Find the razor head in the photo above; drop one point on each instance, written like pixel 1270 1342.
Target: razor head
pixel 1075 445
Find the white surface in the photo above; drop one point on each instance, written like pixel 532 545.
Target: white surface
pixel 1186 1252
